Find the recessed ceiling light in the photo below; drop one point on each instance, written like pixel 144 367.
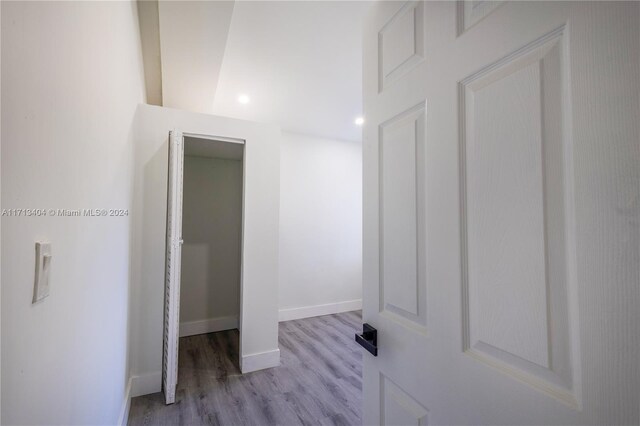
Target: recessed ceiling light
pixel 359 121
pixel 244 99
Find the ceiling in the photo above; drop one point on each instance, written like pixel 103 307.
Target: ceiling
pixel 298 61
pixel 300 64
pixel 193 36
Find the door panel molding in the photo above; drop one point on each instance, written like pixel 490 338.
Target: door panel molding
pixel 397 407
pixel 400 43
pixel 470 12
pixel 519 295
pixel 402 218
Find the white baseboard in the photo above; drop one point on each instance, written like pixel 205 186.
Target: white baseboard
pixel 260 361
pixel 126 404
pixel 210 325
pixel 146 383
pixel 318 310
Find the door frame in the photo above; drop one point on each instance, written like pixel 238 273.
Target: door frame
pixel 171 304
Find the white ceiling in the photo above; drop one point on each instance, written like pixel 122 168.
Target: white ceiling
pixel 300 63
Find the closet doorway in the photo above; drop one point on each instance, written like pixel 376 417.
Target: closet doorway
pixel 204 242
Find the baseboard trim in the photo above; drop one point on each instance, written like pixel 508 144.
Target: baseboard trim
pixel 260 361
pixel 210 325
pixel 126 405
pixel 318 310
pixel 145 384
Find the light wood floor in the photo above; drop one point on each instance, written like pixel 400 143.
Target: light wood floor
pixel 319 381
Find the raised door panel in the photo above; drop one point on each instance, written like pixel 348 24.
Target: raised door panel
pixel 401 159
pixel 506 229
pixel 400 43
pixel 517 218
pixel 398 408
pixel 470 12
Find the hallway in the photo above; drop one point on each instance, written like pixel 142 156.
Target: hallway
pixel 319 380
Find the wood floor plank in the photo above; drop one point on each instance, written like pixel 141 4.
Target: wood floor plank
pixel 319 381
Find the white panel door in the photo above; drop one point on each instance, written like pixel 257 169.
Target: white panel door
pixel 501 217
pixel 173 262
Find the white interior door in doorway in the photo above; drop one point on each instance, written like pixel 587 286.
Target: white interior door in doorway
pixel 173 262
pixel 501 252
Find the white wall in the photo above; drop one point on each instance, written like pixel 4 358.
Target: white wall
pixel 193 37
pixel 0 226
pixel 71 81
pixel 320 226
pixel 150 41
pixel 259 310
pixel 211 229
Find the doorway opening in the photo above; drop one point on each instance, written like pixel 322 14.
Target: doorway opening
pixel 204 245
pixel 212 236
